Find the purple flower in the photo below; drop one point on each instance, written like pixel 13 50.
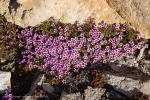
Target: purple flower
pixel 2 37
pixel 66 29
pixel 78 23
pixel 104 61
pixel 121 44
pixel 82 35
pixel 7 24
pixel 20 45
pixel 117 33
pixel 79 29
pixel 75 70
pixel 85 57
pixel 64 81
pixel 85 21
pixel 53 25
pixel 8 47
pixel 55 30
pixel 146 46
pixel 123 29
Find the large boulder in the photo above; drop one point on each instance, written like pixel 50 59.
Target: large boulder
pixel 32 12
pixel 137 12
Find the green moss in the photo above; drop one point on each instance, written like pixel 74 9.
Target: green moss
pixel 8 27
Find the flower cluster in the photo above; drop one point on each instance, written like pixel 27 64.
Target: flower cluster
pixel 7 95
pixel 62 52
pixel 104 50
pixel 57 53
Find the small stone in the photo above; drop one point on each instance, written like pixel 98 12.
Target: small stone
pixel 4 81
pixel 103 98
pixel 71 96
pixel 28 98
pixel 48 88
pixel 140 54
pixel 3 60
pixel 93 93
pixel 41 79
pixel 149 51
pixel 38 82
pixel 108 94
pixel 115 67
pixel 136 65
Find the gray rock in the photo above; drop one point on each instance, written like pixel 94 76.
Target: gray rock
pixel 2 60
pixel 136 65
pixel 28 98
pixel 38 82
pixel 140 54
pixel 149 51
pixel 40 79
pixel 93 93
pixel 71 96
pixel 4 81
pixel 107 94
pixel 117 96
pixel 115 67
pixel 128 86
pixel 48 87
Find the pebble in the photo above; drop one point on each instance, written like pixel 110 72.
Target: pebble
pixel 108 94
pixel 136 65
pixel 149 51
pixel 48 88
pixel 2 60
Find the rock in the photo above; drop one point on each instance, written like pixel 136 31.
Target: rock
pixel 146 88
pixel 137 12
pixel 136 65
pixel 127 86
pixel 118 64
pixel 93 93
pixel 115 67
pixel 71 96
pixel 117 96
pixel 107 94
pixel 140 54
pixel 148 51
pixel 48 87
pixel 28 12
pixel 28 98
pixel 8 66
pixel 31 98
pixel 4 81
pixel 40 94
pixel 144 66
pixel 2 60
pixel 40 79
pixel 38 82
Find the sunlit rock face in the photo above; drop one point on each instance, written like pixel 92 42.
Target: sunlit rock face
pixel 32 12
pixel 137 12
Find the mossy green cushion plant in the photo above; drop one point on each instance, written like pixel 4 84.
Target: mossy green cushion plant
pixel 66 48
pixel 8 40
